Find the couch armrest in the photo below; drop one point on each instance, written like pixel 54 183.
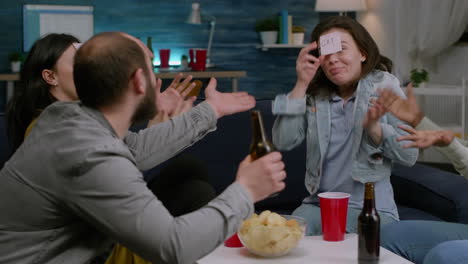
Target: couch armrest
pixel 440 193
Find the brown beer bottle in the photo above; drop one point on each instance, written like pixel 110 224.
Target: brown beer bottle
pixel 260 145
pixel 149 43
pixel 369 229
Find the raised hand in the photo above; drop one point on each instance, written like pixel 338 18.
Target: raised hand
pixel 174 94
pixel 373 115
pixel 227 103
pixel 426 138
pixel 404 109
pixel 371 122
pixel 306 67
pixel 262 177
pixel 173 101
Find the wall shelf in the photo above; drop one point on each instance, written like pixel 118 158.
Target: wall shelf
pixel 280 46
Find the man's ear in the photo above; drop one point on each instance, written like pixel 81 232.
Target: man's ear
pixel 49 77
pixel 139 81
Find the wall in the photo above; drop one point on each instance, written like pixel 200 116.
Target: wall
pixel 234 44
pixel 384 22
pixel 452 65
pixel 11 32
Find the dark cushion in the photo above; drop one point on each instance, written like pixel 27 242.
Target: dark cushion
pixel 439 193
pixel 225 148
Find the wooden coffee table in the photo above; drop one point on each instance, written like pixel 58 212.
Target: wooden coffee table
pixel 311 249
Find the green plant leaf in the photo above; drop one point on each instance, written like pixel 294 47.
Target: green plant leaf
pixel 419 76
pixel 15 56
pixel 267 24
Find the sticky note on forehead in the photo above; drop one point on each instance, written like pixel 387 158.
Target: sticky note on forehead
pixel 330 43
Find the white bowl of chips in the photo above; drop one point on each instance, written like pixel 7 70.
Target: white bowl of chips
pixel 270 234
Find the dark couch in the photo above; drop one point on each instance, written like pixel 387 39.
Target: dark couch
pixel 421 192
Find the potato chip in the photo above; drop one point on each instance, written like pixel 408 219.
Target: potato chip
pixel 270 234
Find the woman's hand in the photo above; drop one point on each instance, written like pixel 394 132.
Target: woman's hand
pixel 406 110
pixel 371 122
pixel 306 67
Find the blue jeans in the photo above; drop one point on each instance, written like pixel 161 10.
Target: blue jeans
pixel 453 252
pixel 311 213
pixel 417 240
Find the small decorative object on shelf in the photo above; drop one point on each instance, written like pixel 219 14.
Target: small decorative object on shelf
pixel 268 29
pixel 15 59
pixel 184 62
pixel 419 76
pixel 298 35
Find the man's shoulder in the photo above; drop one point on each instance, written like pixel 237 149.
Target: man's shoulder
pixel 72 135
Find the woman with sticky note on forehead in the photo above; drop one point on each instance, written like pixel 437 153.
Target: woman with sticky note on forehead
pixel 349 140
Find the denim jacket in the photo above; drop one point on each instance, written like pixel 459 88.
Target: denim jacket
pixel 309 117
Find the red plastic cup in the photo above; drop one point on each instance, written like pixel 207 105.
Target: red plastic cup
pixel 164 57
pixel 333 210
pixel 233 241
pixel 200 59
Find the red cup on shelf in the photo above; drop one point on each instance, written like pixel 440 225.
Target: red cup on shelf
pixel 164 55
pixel 233 241
pixel 200 60
pixel 333 211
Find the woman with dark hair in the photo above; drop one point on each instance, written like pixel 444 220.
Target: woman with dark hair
pixel 349 140
pixel 46 76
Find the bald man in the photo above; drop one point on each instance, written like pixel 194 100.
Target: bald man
pixel 75 185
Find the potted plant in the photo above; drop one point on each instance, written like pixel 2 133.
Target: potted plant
pixel 268 29
pixel 298 35
pixel 15 59
pixel 419 76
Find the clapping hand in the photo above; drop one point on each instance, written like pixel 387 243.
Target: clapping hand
pixel 371 121
pixel 373 115
pixel 227 103
pixel 406 110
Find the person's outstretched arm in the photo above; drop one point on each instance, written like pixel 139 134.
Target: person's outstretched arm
pixel 112 196
pixel 444 141
pixel 155 144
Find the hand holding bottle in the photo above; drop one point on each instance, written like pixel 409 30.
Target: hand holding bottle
pixel 263 176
